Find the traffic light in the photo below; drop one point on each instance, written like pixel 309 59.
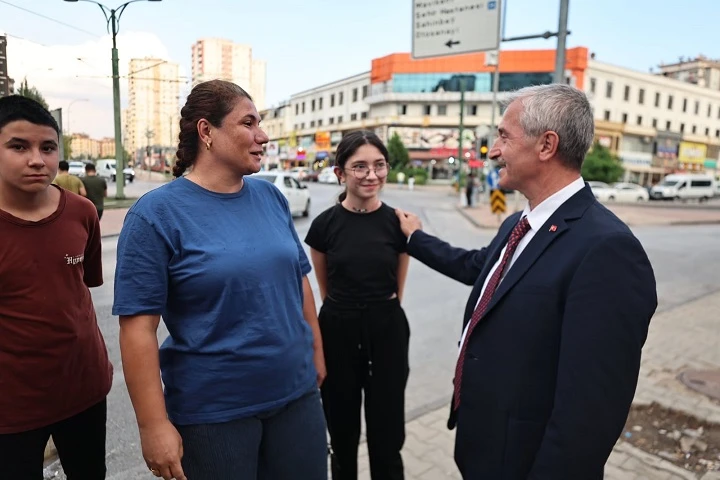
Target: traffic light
pixel 484 149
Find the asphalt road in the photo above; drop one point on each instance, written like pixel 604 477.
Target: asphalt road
pixel 684 258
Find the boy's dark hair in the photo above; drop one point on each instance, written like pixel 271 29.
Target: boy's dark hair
pixel 16 108
pixel 63 165
pixel 89 167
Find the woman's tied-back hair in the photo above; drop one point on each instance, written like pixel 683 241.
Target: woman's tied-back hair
pixel 211 100
pixel 350 144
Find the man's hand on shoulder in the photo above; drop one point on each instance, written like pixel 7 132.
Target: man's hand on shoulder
pixel 408 222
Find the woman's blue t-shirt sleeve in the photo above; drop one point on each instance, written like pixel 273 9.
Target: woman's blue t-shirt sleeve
pixel 141 273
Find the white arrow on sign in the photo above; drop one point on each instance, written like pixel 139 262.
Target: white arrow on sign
pixel 451 27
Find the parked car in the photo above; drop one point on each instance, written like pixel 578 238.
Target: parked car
pixel 630 192
pixel 297 195
pixel 327 175
pixel 77 169
pixel 299 173
pixel 603 192
pixel 312 176
pixel 685 186
pixel 106 168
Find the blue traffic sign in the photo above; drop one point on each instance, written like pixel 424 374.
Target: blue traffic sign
pixel 493 178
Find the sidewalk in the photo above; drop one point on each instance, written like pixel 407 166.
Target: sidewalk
pixel 112 221
pixel 482 217
pixel 672 346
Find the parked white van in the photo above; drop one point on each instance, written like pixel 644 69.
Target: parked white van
pixel 105 168
pixel 684 186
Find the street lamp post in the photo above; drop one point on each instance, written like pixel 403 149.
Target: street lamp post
pixel 68 112
pixel 112 16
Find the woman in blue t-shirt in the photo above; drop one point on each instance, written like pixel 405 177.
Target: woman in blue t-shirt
pixel 215 253
pixel 358 251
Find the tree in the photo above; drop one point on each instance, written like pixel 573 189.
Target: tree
pixel 32 92
pixel 399 156
pixel 601 165
pixel 67 146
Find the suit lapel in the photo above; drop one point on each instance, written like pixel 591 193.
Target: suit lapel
pixel 494 254
pixel 570 210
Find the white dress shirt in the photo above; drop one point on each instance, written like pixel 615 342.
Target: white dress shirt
pixel 536 218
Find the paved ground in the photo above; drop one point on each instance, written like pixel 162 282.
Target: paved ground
pixel 684 333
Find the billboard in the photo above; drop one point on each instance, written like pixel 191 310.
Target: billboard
pixel 694 153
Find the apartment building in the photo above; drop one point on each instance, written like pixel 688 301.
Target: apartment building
pixel 216 58
pixel 152 115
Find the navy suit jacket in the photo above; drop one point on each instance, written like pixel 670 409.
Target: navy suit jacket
pixel 551 369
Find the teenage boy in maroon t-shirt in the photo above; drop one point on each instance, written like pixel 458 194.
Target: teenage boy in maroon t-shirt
pixel 54 369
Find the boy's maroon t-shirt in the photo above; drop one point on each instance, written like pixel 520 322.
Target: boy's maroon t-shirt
pixel 53 359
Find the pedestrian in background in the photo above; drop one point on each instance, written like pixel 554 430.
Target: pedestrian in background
pixel 69 182
pixel 95 188
pixel 54 369
pixel 358 252
pixel 559 311
pixel 215 253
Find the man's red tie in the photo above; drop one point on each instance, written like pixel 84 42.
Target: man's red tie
pixel 517 234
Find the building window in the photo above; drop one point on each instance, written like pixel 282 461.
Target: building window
pixel 340 98
pixel 657 99
pixel 302 126
pixel 353 117
pixel 697 108
pixel 354 95
pixel 332 100
pixel 694 129
pixel 297 108
pixel 320 123
pixel 654 123
pixel 331 120
pixel 624 118
pixel 442 110
pixel 402 109
pixel 363 115
pixel 426 109
pixel 641 96
pixel 639 119
pixel 296 126
pixel 473 109
pixel 593 83
pixel 303 107
pixel 608 90
pixel 320 103
pixel 312 106
pixel 364 91
pixel 717 133
pixel 668 124
pixel 709 110
pixel 707 131
pixel 312 123
pixel 606 116
pixel 684 105
pixel 627 92
pixel 670 102
pixel 340 119
pixel 682 128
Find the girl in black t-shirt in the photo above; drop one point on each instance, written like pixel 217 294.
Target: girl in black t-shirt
pixel 358 252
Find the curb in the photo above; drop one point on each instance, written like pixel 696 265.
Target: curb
pixel 474 222
pixel 673 223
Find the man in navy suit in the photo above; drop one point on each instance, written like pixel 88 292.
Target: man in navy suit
pixel 561 303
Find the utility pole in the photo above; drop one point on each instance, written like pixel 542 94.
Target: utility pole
pixel 461 126
pixel 561 36
pixel 148 135
pixel 112 17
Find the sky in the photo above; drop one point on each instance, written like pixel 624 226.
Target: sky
pixel 63 48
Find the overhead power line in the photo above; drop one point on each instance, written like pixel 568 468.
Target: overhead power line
pixel 49 18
